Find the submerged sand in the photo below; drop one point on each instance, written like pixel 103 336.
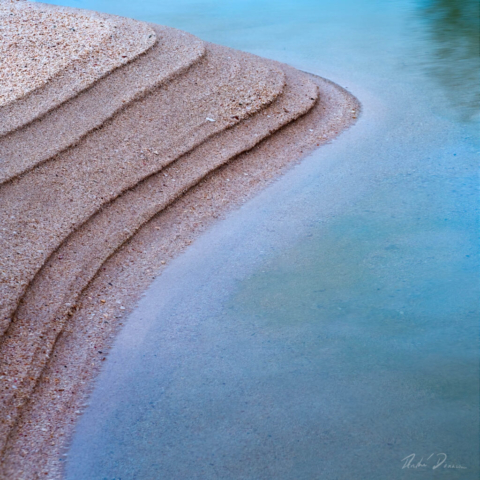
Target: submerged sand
pixel 101 190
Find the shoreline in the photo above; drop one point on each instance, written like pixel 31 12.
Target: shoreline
pixel 83 321
pixel 134 267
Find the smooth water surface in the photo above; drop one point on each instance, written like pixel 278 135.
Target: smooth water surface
pixel 328 329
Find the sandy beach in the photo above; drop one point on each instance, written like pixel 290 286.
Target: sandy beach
pixel 112 161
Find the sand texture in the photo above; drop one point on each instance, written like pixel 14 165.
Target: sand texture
pixel 106 186
pixel 64 126
pixel 49 54
pixel 46 204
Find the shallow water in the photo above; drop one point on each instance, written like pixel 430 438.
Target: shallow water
pixel 329 327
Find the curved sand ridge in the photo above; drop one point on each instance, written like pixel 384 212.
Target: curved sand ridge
pixel 25 63
pixel 49 54
pixel 63 127
pixel 81 182
pixel 48 203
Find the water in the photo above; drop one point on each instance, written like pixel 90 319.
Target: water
pixel 329 327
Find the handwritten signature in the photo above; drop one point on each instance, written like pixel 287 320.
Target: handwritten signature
pixel 434 461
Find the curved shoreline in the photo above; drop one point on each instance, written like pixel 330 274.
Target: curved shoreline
pixel 201 140
pixel 136 264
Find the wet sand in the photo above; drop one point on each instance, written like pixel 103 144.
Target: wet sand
pixel 93 214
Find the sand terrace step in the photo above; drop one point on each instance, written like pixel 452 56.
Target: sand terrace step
pixel 68 59
pixel 51 296
pixel 42 207
pixel 173 53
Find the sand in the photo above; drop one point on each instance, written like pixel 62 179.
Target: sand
pixel 25 64
pixel 122 184
pixel 65 126
pixel 44 62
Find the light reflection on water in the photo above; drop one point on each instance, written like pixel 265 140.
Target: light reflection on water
pixel 452 33
pixel 353 341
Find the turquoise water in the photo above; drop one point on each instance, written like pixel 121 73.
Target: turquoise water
pixel 329 327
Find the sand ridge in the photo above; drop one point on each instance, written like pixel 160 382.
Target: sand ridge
pixel 117 157
pixel 68 68
pixel 66 125
pixel 45 205
pixel 26 63
pixel 49 300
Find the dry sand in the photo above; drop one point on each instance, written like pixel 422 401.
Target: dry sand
pixel 25 63
pixel 65 126
pixel 44 63
pixel 121 185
